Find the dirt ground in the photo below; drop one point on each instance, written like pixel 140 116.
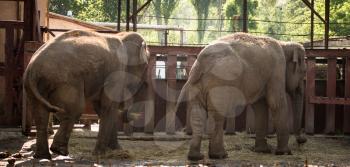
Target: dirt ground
pixel 161 149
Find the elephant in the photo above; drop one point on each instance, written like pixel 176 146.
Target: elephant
pixel 295 74
pixel 78 66
pixel 234 71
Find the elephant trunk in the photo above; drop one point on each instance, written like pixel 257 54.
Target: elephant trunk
pixel 298 100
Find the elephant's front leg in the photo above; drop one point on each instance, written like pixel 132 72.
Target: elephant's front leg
pixel 198 115
pixel 216 142
pixel 261 126
pixel 107 135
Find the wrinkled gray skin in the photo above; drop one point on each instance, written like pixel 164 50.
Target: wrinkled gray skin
pixel 75 67
pixel 295 73
pixel 230 73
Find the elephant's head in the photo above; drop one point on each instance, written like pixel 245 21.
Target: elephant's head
pixel 138 56
pixel 295 73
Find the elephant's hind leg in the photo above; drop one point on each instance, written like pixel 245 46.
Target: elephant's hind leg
pixel 41 116
pixel 261 126
pixel 216 142
pixel 277 102
pixel 198 115
pixel 72 100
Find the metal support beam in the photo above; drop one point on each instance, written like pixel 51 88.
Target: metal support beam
pixel 119 14
pixel 326 26
pixel 312 25
pixel 127 15
pixel 134 15
pixel 141 8
pixel 308 4
pixel 245 15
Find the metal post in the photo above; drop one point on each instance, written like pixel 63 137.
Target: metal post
pixel 127 15
pixel 326 33
pixel 312 26
pixel 166 32
pixel 134 15
pixel 245 15
pixel 119 14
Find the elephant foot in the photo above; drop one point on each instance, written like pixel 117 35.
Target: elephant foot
pixel 59 150
pixel 262 147
pixel 301 139
pixel 195 156
pixel 42 155
pixel 218 155
pixel 115 146
pixel 283 152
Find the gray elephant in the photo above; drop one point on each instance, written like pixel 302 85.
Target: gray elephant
pixel 295 73
pixel 78 66
pixel 230 73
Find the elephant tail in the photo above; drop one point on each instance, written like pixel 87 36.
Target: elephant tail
pixel 182 97
pixel 31 85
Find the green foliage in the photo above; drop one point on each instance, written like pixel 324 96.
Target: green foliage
pixel 202 10
pixel 234 12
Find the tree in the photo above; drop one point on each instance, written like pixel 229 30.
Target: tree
pixel 234 12
pixel 202 10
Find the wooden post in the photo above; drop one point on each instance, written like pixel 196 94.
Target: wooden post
pixel 171 94
pixel 190 61
pixel 346 122
pixel 331 93
pixel 9 77
pixel 29 50
pixel 250 120
pixel 149 106
pixel 309 93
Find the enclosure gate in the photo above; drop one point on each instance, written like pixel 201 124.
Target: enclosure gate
pixel 331 99
pixel 11 71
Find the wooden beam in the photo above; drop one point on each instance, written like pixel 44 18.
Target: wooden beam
pixel 331 93
pixel 170 116
pixel 182 50
pixel 346 122
pixel 11 23
pixel 150 105
pixel 327 53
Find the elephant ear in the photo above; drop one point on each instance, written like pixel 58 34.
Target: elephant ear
pixel 295 60
pixel 144 54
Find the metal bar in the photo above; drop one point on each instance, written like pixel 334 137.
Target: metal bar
pixel 310 92
pixel 141 8
pixel 127 15
pixel 331 93
pixel 326 27
pixel 245 15
pixel 134 15
pixel 308 4
pixel 119 14
pixel 312 25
